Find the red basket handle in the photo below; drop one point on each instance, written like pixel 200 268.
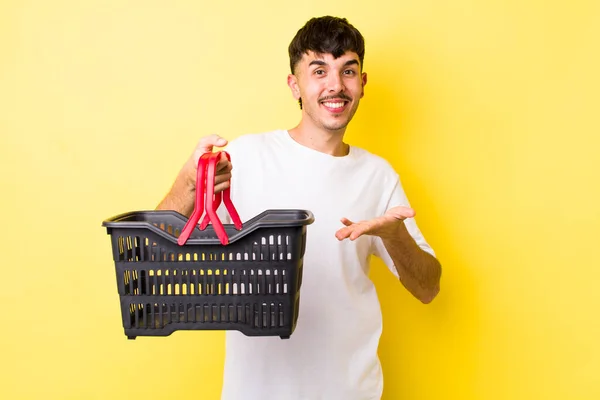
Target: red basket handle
pixel 205 186
pixel 225 195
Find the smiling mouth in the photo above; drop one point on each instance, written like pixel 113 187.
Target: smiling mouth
pixel 339 104
pixel 335 105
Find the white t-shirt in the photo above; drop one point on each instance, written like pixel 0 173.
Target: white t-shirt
pixel 332 354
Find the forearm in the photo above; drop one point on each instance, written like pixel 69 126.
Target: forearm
pixel 182 195
pixel 418 270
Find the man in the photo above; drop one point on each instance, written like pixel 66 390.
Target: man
pixel 332 354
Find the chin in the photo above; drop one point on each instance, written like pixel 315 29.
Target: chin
pixel 336 127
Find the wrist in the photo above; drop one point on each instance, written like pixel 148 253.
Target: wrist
pixel 187 177
pixel 396 232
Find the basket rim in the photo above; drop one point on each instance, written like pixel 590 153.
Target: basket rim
pixel 267 219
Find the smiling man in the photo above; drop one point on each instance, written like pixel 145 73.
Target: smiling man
pixel 332 88
pixel 332 354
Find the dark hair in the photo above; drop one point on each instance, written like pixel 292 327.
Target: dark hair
pixel 326 35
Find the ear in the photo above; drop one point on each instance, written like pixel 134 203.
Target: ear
pixel 364 83
pixel 292 82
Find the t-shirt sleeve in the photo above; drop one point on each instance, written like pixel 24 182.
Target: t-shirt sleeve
pixel 398 198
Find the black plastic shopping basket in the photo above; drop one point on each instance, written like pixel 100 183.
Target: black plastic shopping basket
pixel 173 274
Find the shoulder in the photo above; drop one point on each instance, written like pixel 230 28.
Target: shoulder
pixel 372 160
pixel 250 144
pixel 250 139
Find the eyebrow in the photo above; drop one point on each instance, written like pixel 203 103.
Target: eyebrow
pixel 321 62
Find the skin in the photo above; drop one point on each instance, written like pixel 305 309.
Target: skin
pixel 321 80
pixel 331 89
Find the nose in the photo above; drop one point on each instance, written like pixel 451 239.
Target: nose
pixel 335 83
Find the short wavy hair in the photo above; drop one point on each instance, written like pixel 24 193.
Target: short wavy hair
pixel 326 35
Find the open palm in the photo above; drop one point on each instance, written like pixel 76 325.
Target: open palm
pixel 384 226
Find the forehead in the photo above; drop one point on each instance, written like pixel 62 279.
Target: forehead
pixel 328 58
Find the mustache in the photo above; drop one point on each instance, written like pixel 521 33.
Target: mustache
pixel 336 97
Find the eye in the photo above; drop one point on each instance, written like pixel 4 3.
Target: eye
pixel 349 72
pixel 319 72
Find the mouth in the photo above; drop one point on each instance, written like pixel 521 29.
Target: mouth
pixel 335 106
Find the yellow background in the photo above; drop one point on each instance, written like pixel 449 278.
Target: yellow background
pixel 488 110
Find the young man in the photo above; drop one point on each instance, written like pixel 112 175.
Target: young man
pixel 332 354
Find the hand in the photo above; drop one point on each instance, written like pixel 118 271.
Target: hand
pixel 384 226
pixel 223 173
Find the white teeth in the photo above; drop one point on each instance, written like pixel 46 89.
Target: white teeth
pixel 333 105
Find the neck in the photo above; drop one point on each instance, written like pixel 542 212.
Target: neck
pixel 322 140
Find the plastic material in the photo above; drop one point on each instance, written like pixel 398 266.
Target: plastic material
pixel 251 284
pixel 205 185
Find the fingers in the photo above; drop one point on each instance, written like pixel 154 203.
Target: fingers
pixel 222 176
pixel 206 144
pixel 222 186
pixel 343 233
pixel 346 221
pixel 401 212
pixel 385 226
pixel 224 165
pixel 352 230
pixel 357 231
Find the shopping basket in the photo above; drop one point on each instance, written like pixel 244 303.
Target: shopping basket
pixel 209 277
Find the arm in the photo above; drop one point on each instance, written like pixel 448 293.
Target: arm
pixel 182 195
pixel 418 270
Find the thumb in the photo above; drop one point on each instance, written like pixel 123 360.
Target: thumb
pixel 401 212
pixel 206 144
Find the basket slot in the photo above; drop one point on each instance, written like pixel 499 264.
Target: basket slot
pixel 169 286
pixel 157 320
pixel 158 315
pixel 214 279
pixel 238 278
pixel 268 315
pixel 285 249
pixel 134 315
pixel 255 250
pixel 144 311
pixel 255 281
pixel 141 248
pixel 146 284
pixel 151 316
pixel 136 248
pixel 156 282
pixel 178 282
pixel 128 280
pixel 252 284
pixel 134 284
pixel 264 249
pixel 262 278
pixel 204 288
pixel 156 286
pixel 163 314
pixel 273 248
pixel 172 287
pixel 170 229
